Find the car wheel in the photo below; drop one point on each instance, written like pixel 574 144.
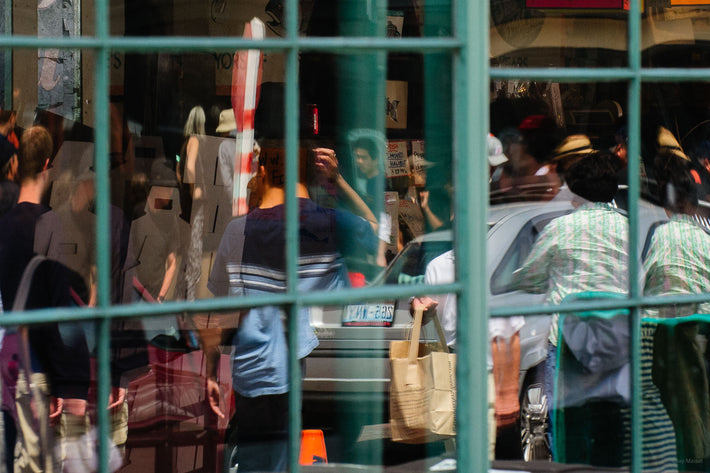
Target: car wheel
pixel 533 424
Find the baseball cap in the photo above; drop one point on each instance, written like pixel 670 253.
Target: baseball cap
pixel 496 157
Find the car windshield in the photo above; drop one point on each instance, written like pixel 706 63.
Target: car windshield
pixel 411 263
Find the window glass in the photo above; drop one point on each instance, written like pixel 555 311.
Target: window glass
pixel 558 200
pixel 552 33
pixel 667 26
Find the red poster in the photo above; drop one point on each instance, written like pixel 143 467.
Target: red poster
pixel 579 4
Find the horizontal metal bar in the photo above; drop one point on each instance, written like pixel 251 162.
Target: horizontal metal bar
pixel 563 75
pixel 331 298
pixel 602 304
pixel 226 304
pixel 602 74
pixel 184 44
pixel 675 75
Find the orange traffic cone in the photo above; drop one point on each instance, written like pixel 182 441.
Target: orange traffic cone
pixel 312 447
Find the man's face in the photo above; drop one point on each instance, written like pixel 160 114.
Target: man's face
pixel 365 163
pixel 516 156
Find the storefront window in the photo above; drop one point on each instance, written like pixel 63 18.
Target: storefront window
pixel 248 210
pixel 612 174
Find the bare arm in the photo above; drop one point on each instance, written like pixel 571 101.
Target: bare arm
pixel 434 221
pixel 193 146
pixel 212 338
pixel 327 163
pixel 170 268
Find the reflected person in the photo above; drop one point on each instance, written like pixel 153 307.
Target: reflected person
pixel 503 359
pixel 585 250
pixel 191 178
pixel 250 261
pixel 677 263
pixel 59 360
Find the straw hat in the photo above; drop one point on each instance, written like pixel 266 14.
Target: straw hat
pixel 573 145
pixel 227 122
pixel 668 142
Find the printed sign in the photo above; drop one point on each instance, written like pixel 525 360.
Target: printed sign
pixel 418 163
pixel 397 161
pixel 396 104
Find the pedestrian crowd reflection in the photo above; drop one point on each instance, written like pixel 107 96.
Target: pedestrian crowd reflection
pixel 174 236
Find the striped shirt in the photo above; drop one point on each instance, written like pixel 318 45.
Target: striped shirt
pixel 251 260
pixel 586 250
pixel 677 263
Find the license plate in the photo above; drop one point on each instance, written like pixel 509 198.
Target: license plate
pixel 369 315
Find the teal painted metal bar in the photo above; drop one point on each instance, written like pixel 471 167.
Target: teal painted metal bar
pixel 210 44
pixel 602 74
pixel 634 153
pixel 292 242
pixel 471 66
pixel 336 298
pixel 103 242
pixel 7 72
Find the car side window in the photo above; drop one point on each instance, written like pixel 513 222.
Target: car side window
pixel 501 281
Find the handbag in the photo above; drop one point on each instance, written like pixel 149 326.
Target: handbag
pixel 422 388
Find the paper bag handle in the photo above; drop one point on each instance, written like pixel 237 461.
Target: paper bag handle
pixel 412 378
pixel 416 333
pixel 440 333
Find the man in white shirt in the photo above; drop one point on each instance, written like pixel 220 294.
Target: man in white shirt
pixel 504 354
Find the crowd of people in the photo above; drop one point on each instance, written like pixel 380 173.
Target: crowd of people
pixel 584 255
pixel 174 237
pixel 173 218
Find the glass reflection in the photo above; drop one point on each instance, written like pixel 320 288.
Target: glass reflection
pixel 675 264
pixel 47 368
pixel 553 33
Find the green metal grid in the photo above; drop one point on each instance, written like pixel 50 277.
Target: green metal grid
pixel 468 47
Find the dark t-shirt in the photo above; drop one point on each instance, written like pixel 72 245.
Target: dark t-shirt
pixel 9 192
pixel 62 354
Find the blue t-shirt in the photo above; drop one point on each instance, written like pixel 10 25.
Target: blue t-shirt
pixel 260 354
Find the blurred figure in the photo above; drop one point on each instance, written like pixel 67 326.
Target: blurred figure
pixel 9 188
pixel 528 174
pixel 60 360
pixel 368 151
pixel 227 153
pixel 569 151
pixel 8 121
pixel 583 251
pixel 151 266
pixel 503 359
pixel 368 160
pixel 621 148
pixel 260 357
pixel 677 263
pixel 496 156
pixel 191 178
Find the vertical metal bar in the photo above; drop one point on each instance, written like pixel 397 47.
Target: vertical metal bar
pixel 471 67
pixel 103 262
pixel 634 153
pixel 292 250
pixel 7 58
